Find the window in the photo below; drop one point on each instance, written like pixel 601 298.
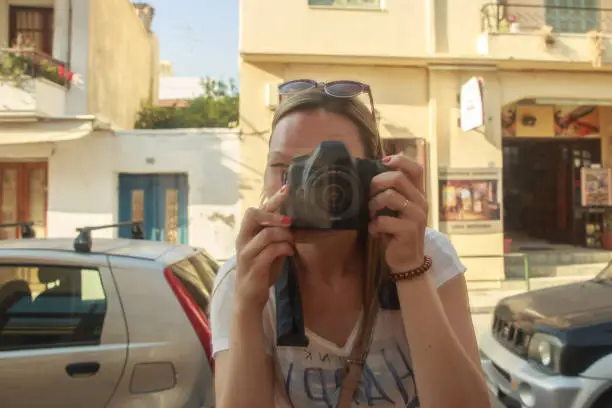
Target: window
pixel 197 274
pixel 365 4
pixel 572 16
pixel 50 306
pixel 33 23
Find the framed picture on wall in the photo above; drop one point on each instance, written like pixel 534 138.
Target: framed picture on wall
pixel 595 186
pixel 470 200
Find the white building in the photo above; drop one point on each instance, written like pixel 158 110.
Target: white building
pixel 183 183
pixel 45 111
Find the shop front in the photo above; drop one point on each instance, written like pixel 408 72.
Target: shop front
pixel 555 185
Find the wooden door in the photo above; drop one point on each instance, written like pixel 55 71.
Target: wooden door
pixel 23 197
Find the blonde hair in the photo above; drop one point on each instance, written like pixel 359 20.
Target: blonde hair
pixel 360 115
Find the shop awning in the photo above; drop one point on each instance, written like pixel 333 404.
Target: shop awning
pixel 30 129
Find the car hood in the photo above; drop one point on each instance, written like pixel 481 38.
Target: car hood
pixel 560 307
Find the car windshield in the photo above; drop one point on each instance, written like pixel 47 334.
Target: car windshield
pixel 605 275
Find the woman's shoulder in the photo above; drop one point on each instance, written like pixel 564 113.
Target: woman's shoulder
pixel 446 262
pixel 226 276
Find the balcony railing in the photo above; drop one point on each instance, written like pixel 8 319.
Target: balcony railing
pixel 19 64
pixel 510 17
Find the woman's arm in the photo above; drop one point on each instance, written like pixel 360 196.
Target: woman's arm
pixel 444 354
pixel 244 368
pixel 244 372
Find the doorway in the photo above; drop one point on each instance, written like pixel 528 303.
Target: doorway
pixel 541 184
pixel 159 201
pixel 23 197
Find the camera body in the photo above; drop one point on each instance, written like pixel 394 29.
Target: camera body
pixel 329 190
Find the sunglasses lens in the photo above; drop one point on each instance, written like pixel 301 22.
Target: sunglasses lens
pixel 290 88
pixel 343 89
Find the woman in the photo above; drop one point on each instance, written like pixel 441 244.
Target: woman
pixel 335 271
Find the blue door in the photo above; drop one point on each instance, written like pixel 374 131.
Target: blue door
pixel 159 200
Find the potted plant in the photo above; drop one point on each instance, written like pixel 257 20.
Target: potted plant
pixel 19 63
pixel 514 24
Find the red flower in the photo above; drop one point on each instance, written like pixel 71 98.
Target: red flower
pixel 61 71
pixel 69 76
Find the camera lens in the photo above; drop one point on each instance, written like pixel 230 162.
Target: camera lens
pixel 332 192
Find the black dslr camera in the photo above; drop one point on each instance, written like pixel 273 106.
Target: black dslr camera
pixel 328 190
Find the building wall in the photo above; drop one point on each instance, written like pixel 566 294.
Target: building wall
pixel 347 32
pixel 121 68
pixel 118 75
pixel 400 29
pixel 83 179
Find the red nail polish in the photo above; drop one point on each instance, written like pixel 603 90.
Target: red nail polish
pixel 387 159
pixel 286 220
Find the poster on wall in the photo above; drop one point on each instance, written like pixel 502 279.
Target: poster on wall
pixel 569 121
pixel 576 121
pixel 472 104
pixel 470 200
pixel 595 187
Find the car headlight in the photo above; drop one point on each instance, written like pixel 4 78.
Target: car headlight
pixel 545 350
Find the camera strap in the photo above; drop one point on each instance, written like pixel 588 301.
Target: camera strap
pixel 355 363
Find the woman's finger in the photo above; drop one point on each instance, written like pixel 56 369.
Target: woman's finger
pixel 412 169
pixel 393 200
pixel 271 253
pixel 255 220
pixel 263 239
pixel 398 181
pixel 273 203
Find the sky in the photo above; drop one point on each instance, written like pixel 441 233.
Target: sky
pixel 199 37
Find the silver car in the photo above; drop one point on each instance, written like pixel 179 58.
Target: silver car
pixel 122 323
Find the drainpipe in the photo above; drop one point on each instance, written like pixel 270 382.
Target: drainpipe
pixel 430 26
pixel 61 31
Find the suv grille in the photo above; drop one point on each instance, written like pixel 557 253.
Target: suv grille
pixel 510 336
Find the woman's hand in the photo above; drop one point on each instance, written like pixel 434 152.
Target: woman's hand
pixel 400 190
pixel 263 242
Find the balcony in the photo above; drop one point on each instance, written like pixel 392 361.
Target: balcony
pixel 542 33
pixel 32 82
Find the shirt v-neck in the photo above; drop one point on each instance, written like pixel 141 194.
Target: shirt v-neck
pixel 333 347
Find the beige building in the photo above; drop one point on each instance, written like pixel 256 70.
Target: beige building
pixel 546 86
pixel 68 70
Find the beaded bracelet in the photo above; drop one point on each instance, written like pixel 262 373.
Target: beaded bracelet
pixel 412 273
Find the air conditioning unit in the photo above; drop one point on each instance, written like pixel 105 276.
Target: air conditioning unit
pixel 272 95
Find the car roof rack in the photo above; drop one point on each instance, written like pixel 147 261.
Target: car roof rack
pixel 83 242
pixel 25 226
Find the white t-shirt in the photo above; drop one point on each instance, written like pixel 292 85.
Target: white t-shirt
pixel 310 376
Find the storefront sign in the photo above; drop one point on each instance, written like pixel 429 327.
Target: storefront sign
pixel 472 104
pixel 470 200
pixel 595 187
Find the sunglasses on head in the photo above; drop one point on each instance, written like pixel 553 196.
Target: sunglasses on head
pixel 336 89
